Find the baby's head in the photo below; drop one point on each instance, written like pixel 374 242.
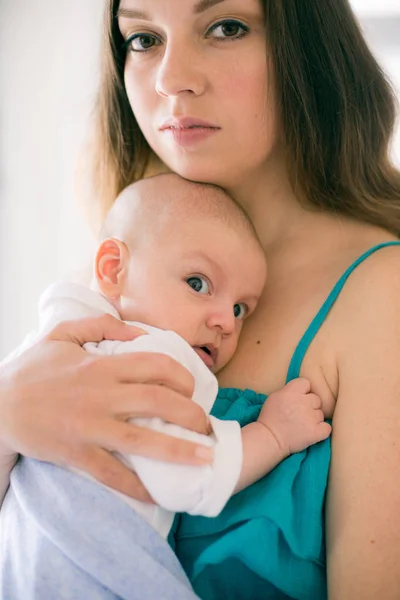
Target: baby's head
pixel 182 256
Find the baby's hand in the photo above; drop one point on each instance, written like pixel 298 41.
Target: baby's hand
pixel 294 417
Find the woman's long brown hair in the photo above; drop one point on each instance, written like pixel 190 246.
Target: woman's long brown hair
pixel 337 110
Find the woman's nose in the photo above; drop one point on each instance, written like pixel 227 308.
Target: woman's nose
pixel 180 72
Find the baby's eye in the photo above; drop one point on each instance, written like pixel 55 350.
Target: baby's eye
pixel 199 284
pixel 240 310
pixel 141 42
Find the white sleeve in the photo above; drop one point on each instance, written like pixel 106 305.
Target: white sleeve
pixel 198 490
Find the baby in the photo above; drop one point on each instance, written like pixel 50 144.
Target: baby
pixel 182 261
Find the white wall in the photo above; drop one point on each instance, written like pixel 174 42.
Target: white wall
pixel 383 34
pixel 48 72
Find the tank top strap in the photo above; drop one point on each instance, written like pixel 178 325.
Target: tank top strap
pixel 313 328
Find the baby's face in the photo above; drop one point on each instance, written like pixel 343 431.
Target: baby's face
pixel 200 279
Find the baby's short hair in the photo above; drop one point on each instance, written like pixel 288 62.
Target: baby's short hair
pixel 157 198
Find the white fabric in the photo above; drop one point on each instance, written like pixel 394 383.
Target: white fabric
pixel 198 490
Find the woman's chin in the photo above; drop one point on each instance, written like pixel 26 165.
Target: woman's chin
pixel 200 173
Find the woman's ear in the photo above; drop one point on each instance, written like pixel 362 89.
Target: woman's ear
pixel 111 264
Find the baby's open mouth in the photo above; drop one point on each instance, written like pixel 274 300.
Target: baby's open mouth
pixel 207 355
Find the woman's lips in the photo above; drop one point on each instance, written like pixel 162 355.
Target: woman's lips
pixel 188 131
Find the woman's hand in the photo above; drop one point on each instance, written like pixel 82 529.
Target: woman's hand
pixel 60 404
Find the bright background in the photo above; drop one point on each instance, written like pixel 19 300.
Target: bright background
pixel 48 73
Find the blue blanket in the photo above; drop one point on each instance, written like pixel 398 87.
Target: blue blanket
pixel 65 537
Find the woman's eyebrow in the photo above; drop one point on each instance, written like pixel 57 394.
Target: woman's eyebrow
pixel 129 13
pixel 204 5
pixel 200 7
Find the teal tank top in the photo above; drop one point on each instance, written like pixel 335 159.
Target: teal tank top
pixel 268 542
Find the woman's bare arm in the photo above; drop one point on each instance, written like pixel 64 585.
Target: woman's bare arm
pixel 60 404
pixel 363 504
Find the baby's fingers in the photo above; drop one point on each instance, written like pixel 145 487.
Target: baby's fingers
pixel 313 401
pixel 298 386
pixel 323 431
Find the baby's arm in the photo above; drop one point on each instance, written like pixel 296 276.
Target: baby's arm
pixel 197 490
pixel 290 421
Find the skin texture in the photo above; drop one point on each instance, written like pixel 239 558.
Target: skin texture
pixel 352 363
pixel 202 83
pixel 147 276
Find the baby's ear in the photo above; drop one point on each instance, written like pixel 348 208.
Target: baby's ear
pixel 110 265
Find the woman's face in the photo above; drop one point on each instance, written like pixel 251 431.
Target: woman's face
pixel 197 78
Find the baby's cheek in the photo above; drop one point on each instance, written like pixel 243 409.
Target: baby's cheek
pixel 227 351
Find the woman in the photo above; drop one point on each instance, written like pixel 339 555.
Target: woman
pixel 282 104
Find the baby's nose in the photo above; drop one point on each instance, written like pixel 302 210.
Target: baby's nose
pixel 224 321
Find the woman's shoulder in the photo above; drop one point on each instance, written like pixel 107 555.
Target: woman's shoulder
pixel 366 315
pixel 369 308
pixel 376 271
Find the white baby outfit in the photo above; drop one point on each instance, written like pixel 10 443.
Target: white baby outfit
pixel 197 490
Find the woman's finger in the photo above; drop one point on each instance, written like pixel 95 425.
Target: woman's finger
pixel 149 367
pixel 128 438
pixel 110 471
pixel 157 401
pixel 94 329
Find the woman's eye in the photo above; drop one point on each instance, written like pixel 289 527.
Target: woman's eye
pixel 199 284
pixel 141 42
pixel 240 310
pixel 228 29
